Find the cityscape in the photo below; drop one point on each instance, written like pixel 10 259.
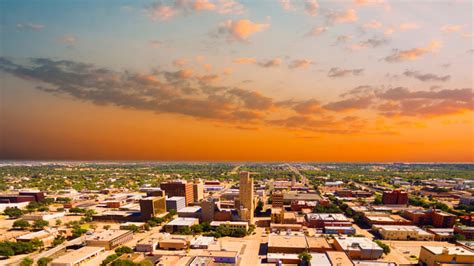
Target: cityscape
pixel 147 213
pixel 236 133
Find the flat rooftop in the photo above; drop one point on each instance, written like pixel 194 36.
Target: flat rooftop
pixel 451 250
pixel 190 209
pixel 287 241
pixel 320 259
pixel 108 235
pixel 327 216
pixel 357 243
pixel 317 242
pixel 181 221
pixel 78 255
pixel 339 258
pixel 409 228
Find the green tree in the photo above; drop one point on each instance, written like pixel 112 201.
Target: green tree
pixel 22 224
pixel 58 240
pixel 44 261
pixel 122 250
pixel 58 222
pixel 109 259
pixel 6 249
pixel 26 262
pixel 40 224
pixel 259 207
pixel 305 256
pixel 13 212
pixel 197 228
pixel 386 248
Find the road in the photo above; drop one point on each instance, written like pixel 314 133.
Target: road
pixel 297 172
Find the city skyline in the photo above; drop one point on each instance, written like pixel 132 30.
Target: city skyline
pixel 353 81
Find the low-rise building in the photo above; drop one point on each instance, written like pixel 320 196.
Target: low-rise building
pixel 109 239
pixel 321 220
pixel 339 258
pixel 45 236
pixel 358 247
pixel 77 257
pixel 190 212
pixel 174 243
pixel 340 230
pixel 180 223
pixel 231 225
pixel 442 234
pixel 444 256
pixel 47 216
pixel 383 218
pixel 403 232
pixel 202 242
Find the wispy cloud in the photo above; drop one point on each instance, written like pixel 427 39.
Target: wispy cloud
pixel 29 26
pixel 241 30
pixel 414 53
pixel 316 31
pixel 348 16
pixel 270 63
pixel 336 72
pixel 162 11
pixel 300 63
pixel 311 7
pixel 426 76
pixel 67 39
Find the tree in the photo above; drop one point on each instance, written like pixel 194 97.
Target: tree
pixel 133 228
pixel 13 212
pixel 44 261
pixel 22 224
pixel 259 207
pixel 58 222
pixel 305 256
pixel 197 228
pixel 107 226
pixel 40 224
pixel 122 250
pixel 26 262
pixel 58 240
pixel 6 250
pixel 109 259
pixel 386 248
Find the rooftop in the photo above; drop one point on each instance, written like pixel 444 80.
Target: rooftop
pixel 357 243
pixel 108 235
pixel 287 241
pixel 327 216
pixel 78 255
pixel 180 221
pixel 317 242
pixel 451 250
pixel 190 209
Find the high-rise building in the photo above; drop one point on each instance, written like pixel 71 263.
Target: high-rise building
pixel 208 208
pixel 246 198
pixel 198 190
pixel 151 206
pixel 179 189
pixel 277 199
pixel 175 203
pixel 395 197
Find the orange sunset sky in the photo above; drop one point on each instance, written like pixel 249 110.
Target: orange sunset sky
pixel 228 80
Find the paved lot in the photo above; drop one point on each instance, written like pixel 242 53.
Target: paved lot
pixel 402 250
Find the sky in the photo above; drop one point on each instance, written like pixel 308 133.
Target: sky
pixel 229 80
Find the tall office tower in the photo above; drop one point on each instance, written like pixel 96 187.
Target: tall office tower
pixel 151 206
pixel 208 208
pixel 293 181
pixel 246 197
pixel 198 189
pixel 179 189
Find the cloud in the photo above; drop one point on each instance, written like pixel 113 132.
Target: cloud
pixel 408 26
pixel 300 63
pixel 316 31
pixel 270 63
pixel 383 3
pixel 245 60
pixel 179 62
pixel 413 54
pixel 188 94
pixel 373 24
pixel 159 12
pixel 336 72
pixel 426 77
pixel 67 39
pixel 162 11
pixel 451 28
pixel 389 31
pixel 203 5
pixel 241 30
pixel 311 7
pixel 287 5
pixel 29 26
pixel 375 42
pixel 155 43
pixel 350 15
